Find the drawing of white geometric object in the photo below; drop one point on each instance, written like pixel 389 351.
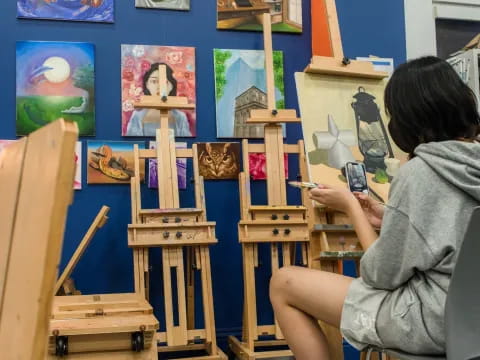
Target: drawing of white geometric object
pixel 337 142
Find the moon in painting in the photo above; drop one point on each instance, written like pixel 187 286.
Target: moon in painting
pixel 59 69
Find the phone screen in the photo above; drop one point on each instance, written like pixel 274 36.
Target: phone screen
pixel 356 177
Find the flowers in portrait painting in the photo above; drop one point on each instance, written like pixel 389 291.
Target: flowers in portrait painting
pixel 174 57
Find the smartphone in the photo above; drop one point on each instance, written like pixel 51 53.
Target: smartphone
pixel 356 175
pixel 303 185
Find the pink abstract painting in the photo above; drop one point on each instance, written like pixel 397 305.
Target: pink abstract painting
pixel 258 166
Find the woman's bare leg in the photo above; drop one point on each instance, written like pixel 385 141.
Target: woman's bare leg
pixel 299 297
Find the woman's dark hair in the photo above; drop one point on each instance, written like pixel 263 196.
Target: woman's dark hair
pixel 154 67
pixel 427 101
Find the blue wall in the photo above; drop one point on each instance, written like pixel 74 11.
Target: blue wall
pixel 368 27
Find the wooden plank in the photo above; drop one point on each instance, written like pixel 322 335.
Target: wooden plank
pixel 275 267
pixel 190 288
pixel 150 354
pixel 209 313
pixel 334 66
pixel 96 224
pixel 37 240
pixel 152 153
pixel 181 329
pixel 260 116
pixel 167 291
pixel 250 294
pixel 334 29
pixel 11 167
pixel 260 148
pixel 267 39
pixel 276 188
pixel 173 102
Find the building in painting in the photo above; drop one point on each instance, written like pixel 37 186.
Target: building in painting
pixel 253 98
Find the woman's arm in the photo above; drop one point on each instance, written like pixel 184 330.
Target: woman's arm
pixel 343 200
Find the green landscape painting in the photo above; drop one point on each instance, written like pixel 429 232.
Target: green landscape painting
pixel 55 80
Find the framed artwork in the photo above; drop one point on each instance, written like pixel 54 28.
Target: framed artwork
pixel 247 14
pixel 140 64
pixel 111 162
pixel 343 119
pixel 257 163
pixel 163 4
pixel 55 80
pixel 77 184
pixel 219 161
pixel 72 10
pixel 181 168
pixel 240 86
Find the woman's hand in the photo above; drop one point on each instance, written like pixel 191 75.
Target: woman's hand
pixel 336 198
pixel 372 209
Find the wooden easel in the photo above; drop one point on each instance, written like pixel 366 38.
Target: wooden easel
pixel 278 224
pixel 32 222
pixel 178 232
pixel 332 238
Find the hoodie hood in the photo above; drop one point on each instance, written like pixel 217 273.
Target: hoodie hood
pixel 457 162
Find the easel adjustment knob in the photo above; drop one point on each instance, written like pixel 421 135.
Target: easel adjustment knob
pixel 166 235
pixel 286 217
pixel 177 220
pixel 274 112
pixel 276 232
pixel 346 61
pixel 165 220
pixel 274 217
pixel 164 98
pixel 179 234
pixel 287 231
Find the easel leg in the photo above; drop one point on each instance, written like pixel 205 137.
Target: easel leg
pixel 191 288
pixel 250 295
pixel 208 300
pixel 275 267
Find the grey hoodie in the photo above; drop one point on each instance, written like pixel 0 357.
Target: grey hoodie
pixel 399 300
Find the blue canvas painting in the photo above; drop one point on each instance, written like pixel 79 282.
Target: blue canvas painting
pixel 73 10
pixel 240 86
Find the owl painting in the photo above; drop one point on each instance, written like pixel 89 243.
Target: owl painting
pixel 219 161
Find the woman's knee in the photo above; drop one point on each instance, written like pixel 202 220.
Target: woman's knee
pixel 281 281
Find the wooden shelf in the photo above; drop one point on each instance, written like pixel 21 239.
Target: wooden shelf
pixel 334 66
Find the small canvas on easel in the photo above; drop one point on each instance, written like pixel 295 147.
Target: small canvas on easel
pixel 181 168
pixel 257 163
pixel 240 86
pixel 111 162
pixel 343 120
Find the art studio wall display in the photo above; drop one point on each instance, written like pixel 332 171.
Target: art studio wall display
pixel 247 14
pixel 111 162
pixel 343 119
pixel 257 163
pixel 164 4
pixel 181 168
pixel 140 76
pixel 240 86
pixel 77 183
pixel 55 80
pixel 73 10
pixel 219 161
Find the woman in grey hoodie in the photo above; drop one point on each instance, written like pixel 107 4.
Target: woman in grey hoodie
pixel 399 300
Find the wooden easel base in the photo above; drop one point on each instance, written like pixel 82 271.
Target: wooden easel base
pixel 150 354
pixel 242 351
pixel 220 355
